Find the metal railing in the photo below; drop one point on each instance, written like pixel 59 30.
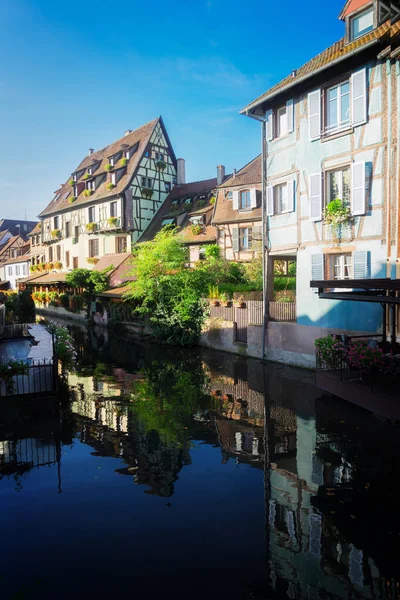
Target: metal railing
pixel 40 378
pixel 15 331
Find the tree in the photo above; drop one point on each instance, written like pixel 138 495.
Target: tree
pixel 91 281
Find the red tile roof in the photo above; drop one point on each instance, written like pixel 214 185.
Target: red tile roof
pixel 111 260
pixel 140 136
pixel 209 234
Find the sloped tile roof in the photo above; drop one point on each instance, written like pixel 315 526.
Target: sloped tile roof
pixel 248 175
pixel 36 229
pixel 209 234
pixel 10 243
pixel 111 260
pixel 140 136
pixel 334 53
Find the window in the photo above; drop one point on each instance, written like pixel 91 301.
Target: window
pixel 147 153
pixel 245 201
pixel 50 254
pixel 75 262
pixel 76 232
pixel 245 238
pixel 113 209
pixel 362 23
pixel 17 270
pixel 174 181
pixel 90 171
pixel 74 177
pixel 167 186
pixel 56 222
pixel 91 214
pixel 221 234
pixel 337 109
pixel 281 122
pixel 93 248
pixel 338 186
pixel 159 156
pixel 111 161
pixel 25 269
pixel 67 259
pixel 230 195
pixel 147 182
pixel 67 229
pixel 281 198
pixel 91 184
pixel 127 154
pixel 341 266
pixel 58 252
pixel 10 271
pixel 121 245
pixel 113 178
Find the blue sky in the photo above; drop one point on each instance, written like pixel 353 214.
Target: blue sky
pixel 77 74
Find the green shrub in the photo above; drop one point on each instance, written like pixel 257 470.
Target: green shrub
pixel 284 283
pixel 64 300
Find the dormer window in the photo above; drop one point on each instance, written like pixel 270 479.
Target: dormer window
pixel 245 201
pixel 127 154
pixel 111 161
pixel 113 178
pixel 75 177
pixel 362 23
pixel 90 171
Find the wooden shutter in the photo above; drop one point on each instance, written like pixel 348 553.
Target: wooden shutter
pixel 317 267
pixel 358 176
pixel 235 196
pixel 359 97
pixel 314 115
pixel 361 264
pixel 290 115
pixel 257 234
pixel 316 197
pixel 270 200
pixel 270 125
pixel 253 198
pixel 235 239
pixel 291 191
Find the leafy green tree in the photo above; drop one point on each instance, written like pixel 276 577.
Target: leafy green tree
pixel 91 281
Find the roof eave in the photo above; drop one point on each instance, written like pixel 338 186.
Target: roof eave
pixel 257 103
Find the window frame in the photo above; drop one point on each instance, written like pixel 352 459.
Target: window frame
pixel 91 214
pixel 247 207
pixel 113 209
pixel 354 18
pixel 277 129
pixel 277 201
pixel 168 186
pixel 121 240
pixel 94 242
pixel 342 265
pixel 342 126
pixel 326 191
pixel 249 238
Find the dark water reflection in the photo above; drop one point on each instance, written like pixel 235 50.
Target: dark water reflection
pixel 183 474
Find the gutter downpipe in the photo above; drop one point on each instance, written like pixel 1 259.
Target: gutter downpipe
pixel 265 224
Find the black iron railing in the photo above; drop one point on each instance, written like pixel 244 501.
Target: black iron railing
pixel 39 379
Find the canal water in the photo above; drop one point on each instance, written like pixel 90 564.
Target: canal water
pixel 162 472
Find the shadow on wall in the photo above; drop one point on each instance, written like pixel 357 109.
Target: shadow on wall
pixel 342 314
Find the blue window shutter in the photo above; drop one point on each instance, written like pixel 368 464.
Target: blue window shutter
pixel 362 267
pixel 317 267
pixel 235 239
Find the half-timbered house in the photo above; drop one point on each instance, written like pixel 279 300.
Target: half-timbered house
pixel 110 199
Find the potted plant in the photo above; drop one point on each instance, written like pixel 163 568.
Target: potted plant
pixel 56 233
pixel 362 357
pixel 33 268
pixel 214 295
pixel 239 302
pixel 53 298
pixel 212 200
pixel 87 193
pixel 161 165
pixel 71 182
pixel 109 167
pixel 197 229
pixel 110 186
pixel 92 260
pixel 336 214
pixel 91 227
pixel 87 176
pixel 112 221
pixel 225 299
pixel 58 265
pixel 35 296
pixel 49 266
pixel 147 192
pixel 72 199
pixel 330 351
pixel 124 162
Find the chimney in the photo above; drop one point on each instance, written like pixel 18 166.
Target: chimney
pixel 91 150
pixel 220 174
pixel 234 172
pixel 181 171
pixel 127 132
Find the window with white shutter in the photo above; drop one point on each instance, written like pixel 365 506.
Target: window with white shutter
pixel 291 191
pixel 270 125
pixel 235 200
pixel 270 200
pixel 290 115
pixel 317 267
pixel 235 239
pixel 253 198
pixel 314 114
pixel 362 267
pixel 315 185
pixel 358 176
pixel 359 97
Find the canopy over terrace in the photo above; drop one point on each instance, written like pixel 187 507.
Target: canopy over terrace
pixel 382 291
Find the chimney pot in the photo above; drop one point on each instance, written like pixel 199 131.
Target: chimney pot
pixel 91 150
pixel 181 177
pixel 220 174
pixel 234 172
pixel 128 131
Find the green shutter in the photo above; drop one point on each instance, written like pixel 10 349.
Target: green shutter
pixel 235 239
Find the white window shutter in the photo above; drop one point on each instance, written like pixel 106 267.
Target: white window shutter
pixel 290 115
pixel 253 198
pixel 316 197
pixel 317 267
pixel 358 175
pixel 235 239
pixel 291 190
pixel 359 97
pixel 270 125
pixel 314 114
pixel 270 200
pixel 361 264
pixel 235 196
